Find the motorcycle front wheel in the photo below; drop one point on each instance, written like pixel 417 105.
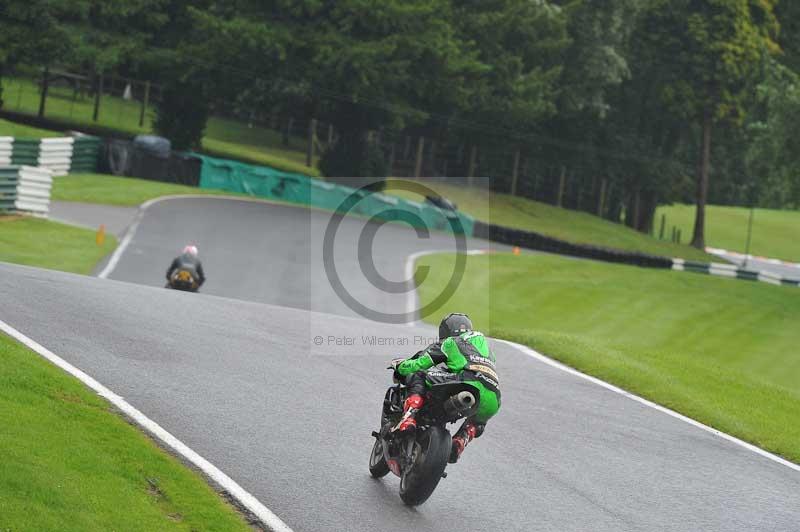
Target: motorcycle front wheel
pixel 430 459
pixel 377 462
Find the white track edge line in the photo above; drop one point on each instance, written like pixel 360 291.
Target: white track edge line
pixel 123 245
pixel 749 446
pixel 646 402
pixel 413 299
pixel 264 514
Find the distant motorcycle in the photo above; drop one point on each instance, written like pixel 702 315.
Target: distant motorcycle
pixel 183 279
pixel 419 458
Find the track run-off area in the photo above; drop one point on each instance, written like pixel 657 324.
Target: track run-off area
pixel 273 379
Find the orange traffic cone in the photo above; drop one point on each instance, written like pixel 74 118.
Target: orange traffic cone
pixel 100 237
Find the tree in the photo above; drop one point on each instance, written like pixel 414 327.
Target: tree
pixel 788 14
pixel 595 61
pixel 591 123
pixel 108 33
pixel 182 113
pixel 708 49
pixel 773 155
pixel 33 31
pixel 360 67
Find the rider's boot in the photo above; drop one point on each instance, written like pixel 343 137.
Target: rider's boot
pixel 410 408
pixel 465 434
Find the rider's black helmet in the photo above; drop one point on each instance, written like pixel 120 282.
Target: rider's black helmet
pixel 453 325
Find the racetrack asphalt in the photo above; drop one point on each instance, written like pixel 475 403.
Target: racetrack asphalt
pixel 91 215
pixel 272 253
pixel 244 384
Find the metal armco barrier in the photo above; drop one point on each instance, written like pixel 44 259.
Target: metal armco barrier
pixel 85 154
pixel 62 155
pixel 539 242
pixel 732 271
pixel 56 154
pixel 9 176
pixel 25 189
pixel 6 150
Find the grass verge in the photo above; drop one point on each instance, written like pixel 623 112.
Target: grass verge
pixel 69 462
pixel 37 242
pixel 774 231
pixel 12 129
pixel 721 351
pixel 114 190
pixel 572 226
pixel 224 137
pixel 67 459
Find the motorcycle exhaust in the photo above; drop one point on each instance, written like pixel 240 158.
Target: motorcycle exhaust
pixel 457 405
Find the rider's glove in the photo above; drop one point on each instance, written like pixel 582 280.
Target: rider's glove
pixel 393 365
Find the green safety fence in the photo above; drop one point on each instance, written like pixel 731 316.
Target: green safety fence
pixel 265 182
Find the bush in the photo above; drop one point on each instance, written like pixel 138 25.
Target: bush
pixel 182 114
pixel 355 162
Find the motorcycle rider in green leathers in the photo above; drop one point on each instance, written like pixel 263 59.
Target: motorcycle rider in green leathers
pixel 467 358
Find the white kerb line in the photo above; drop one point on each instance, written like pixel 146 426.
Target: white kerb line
pixel 224 481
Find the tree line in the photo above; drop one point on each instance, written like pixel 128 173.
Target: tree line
pixel 658 100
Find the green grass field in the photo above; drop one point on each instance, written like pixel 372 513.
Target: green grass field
pixel 573 226
pixel 114 190
pixel 67 458
pixel 721 351
pixel 224 137
pixel 69 462
pixel 12 129
pixel 37 242
pixel 776 233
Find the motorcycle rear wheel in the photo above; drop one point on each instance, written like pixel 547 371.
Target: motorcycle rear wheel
pixel 418 483
pixel 377 462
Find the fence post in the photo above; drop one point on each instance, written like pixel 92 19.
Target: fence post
pixel 473 156
pixel 561 184
pixel 679 236
pixel 663 224
pixel 515 174
pixel 288 132
pixel 674 233
pixel 420 153
pixel 145 101
pixel 601 203
pixel 98 93
pixel 391 159
pixel 312 137
pixel 45 87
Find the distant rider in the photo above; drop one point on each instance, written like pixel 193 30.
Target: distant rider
pixel 467 358
pixel 188 260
